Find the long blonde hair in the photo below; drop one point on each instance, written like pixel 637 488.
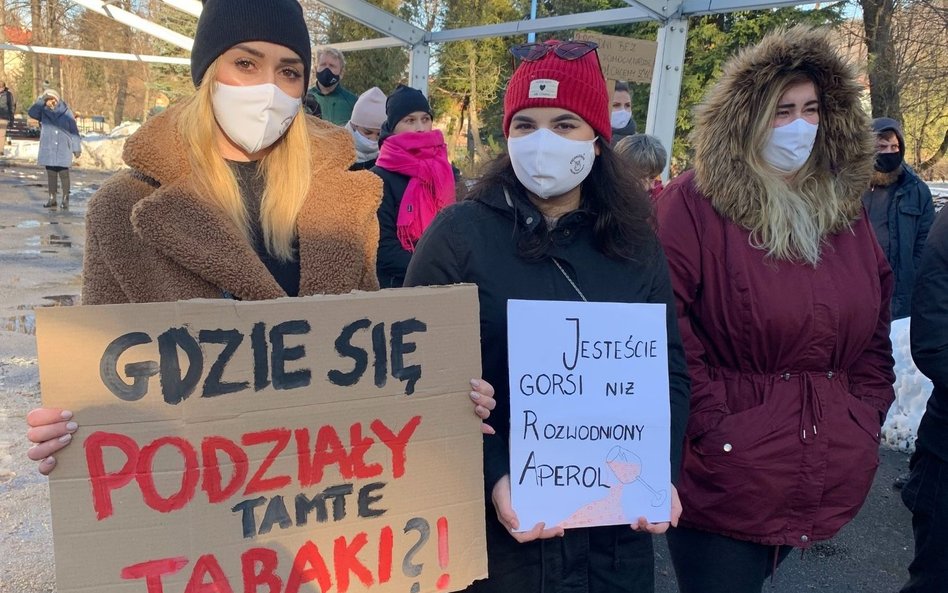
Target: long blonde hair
pixel 286 170
pixel 796 212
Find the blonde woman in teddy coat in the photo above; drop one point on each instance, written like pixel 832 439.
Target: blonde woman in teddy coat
pixel 234 193
pixel 783 304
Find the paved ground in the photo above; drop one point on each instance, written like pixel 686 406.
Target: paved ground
pixel 40 262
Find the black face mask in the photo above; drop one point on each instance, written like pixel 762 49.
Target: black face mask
pixel 888 162
pixel 327 77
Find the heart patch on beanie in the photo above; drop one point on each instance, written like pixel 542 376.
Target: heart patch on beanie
pixel 543 88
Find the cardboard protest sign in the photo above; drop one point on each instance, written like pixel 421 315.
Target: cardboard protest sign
pixel 589 413
pixel 312 444
pixel 623 58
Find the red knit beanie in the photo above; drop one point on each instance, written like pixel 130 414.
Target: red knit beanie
pixel 551 81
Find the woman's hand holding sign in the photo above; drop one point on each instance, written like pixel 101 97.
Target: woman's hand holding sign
pixel 484 402
pixel 51 429
pixel 508 517
pixel 657 528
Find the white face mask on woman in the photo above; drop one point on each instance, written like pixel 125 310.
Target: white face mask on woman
pixel 366 149
pixel 253 117
pixel 549 165
pixel 620 119
pixel 790 146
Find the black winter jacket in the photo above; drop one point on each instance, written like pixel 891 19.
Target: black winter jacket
pixel 930 336
pixel 476 242
pixel 392 257
pixel 910 215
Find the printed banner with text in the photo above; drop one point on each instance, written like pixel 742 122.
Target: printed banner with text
pixel 589 413
pixel 299 445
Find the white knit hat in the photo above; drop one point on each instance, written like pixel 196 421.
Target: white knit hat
pixel 369 110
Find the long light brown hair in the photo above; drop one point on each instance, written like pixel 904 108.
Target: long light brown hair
pixel 798 211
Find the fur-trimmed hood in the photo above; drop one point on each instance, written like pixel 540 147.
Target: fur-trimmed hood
pixel 152 237
pixel 724 121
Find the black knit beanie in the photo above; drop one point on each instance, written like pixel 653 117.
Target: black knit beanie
pixel 402 101
pixel 225 23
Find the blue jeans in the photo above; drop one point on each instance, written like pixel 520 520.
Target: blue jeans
pixel 926 495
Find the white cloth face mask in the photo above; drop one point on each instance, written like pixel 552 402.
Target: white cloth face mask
pixel 620 119
pixel 253 117
pixel 366 149
pixel 790 146
pixel 549 165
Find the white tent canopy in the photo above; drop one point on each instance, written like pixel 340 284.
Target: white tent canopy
pixel 672 16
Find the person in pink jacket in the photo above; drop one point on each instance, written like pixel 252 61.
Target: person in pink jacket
pixel 783 304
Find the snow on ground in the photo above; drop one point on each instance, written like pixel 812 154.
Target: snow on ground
pixel 22 150
pixel 912 389
pixel 99 151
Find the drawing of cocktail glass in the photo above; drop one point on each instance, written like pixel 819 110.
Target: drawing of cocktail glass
pixel 627 466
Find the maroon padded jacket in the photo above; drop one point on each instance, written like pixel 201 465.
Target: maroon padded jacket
pixel 791 370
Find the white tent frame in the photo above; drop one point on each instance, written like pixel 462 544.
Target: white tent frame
pixel 666 76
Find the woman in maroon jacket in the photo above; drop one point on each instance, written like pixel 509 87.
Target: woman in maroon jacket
pixel 783 304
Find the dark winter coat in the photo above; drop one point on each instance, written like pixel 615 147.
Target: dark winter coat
pixel 476 241
pixel 59 135
pixel 620 133
pixel 151 237
pixel 930 336
pixel 791 364
pixel 392 261
pixel 7 105
pixel 336 105
pixel 910 215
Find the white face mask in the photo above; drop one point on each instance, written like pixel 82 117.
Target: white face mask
pixel 549 165
pixel 790 146
pixel 621 119
pixel 253 117
pixel 366 149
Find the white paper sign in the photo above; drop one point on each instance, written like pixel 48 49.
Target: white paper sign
pixel 589 413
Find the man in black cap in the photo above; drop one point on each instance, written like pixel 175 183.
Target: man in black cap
pixel 900 207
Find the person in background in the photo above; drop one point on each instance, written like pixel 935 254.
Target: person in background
pixel 418 180
pixel 59 143
pixel 783 302
pixel 335 101
pixel 900 207
pixel 558 218
pixel 368 115
pixel 226 194
pixel 622 123
pixel 925 492
pixel 7 110
pixel 647 157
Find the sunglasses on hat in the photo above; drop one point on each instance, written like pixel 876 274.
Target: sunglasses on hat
pixel 565 50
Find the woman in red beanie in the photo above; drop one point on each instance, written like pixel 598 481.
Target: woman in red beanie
pixel 559 217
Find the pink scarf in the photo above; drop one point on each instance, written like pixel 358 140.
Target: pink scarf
pixel 423 157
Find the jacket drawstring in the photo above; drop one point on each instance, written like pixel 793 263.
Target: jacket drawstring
pixel 773 571
pixel 812 413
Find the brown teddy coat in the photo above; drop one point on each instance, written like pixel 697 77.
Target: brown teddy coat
pixel 151 237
